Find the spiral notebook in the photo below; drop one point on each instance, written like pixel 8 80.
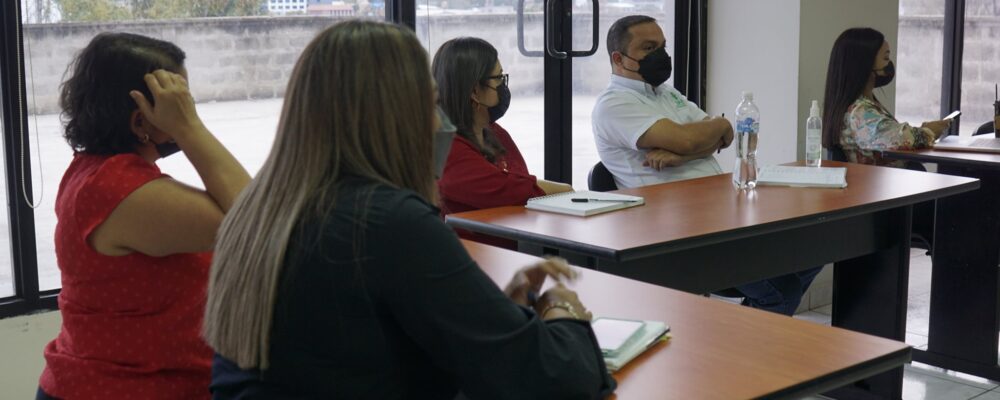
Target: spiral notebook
pixel 584 203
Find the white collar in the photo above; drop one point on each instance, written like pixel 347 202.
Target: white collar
pixel 635 85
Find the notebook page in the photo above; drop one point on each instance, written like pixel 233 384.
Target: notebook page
pixel 802 176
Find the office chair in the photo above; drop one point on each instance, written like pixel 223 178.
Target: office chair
pixel 922 229
pixel 600 179
pixel 835 154
pixel 986 127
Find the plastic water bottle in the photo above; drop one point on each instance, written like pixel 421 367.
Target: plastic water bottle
pixel 814 136
pixel 747 126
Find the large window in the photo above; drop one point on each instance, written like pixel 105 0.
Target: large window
pixel 239 57
pixel 6 268
pixel 238 66
pixel 980 71
pixel 918 57
pixel 496 22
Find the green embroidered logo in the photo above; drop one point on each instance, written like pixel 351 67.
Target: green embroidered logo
pixel 678 101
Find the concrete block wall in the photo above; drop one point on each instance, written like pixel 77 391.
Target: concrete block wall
pixel 227 58
pixel 252 57
pixel 918 57
pixel 980 70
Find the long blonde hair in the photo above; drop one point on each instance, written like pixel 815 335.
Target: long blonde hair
pixel 359 103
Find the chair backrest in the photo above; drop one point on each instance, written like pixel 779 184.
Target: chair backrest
pixel 836 154
pixel 600 179
pixel 985 128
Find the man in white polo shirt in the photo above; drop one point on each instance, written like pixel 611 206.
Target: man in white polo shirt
pixel 647 133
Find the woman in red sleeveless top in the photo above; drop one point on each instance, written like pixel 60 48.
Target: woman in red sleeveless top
pixel 133 244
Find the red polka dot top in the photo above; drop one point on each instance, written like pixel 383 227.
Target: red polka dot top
pixel 130 324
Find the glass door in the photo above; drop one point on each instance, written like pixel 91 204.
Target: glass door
pixel 529 37
pixel 591 75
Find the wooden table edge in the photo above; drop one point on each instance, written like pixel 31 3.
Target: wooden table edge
pixel 623 255
pixel 929 155
pixel 845 377
pixel 519 235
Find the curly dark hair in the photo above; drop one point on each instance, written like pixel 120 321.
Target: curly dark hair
pixel 95 101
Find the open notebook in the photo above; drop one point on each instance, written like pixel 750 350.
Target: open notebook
pixel 779 175
pixel 621 342
pixel 584 203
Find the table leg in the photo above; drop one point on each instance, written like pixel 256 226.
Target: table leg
pixel 869 295
pixel 964 290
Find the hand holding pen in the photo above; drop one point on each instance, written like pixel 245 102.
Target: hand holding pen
pixel 723 143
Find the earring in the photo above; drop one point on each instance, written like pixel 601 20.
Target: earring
pixel 145 138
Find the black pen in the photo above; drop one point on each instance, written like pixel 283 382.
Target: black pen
pixel 584 200
pixel 720 147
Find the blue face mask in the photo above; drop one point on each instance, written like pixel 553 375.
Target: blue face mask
pixel 442 142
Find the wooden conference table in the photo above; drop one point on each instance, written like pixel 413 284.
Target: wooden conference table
pixel 965 289
pixel 701 235
pixel 718 350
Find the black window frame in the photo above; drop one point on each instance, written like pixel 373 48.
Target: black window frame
pixel 690 73
pixel 24 258
pixel 951 70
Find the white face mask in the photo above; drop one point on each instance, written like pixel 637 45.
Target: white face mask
pixel 442 142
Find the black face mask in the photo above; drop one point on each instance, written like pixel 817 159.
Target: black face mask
pixel 889 72
pixel 497 111
pixel 442 142
pixel 655 68
pixel 167 148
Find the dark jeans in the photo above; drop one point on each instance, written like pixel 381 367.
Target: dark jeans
pixel 780 294
pixel 41 395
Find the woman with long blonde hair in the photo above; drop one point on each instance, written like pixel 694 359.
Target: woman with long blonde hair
pixel 334 276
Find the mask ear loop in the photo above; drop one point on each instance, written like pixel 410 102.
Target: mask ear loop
pixel 630 58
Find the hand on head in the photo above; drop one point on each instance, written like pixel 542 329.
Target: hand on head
pixel 174 112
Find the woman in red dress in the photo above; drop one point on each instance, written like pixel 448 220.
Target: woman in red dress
pixel 132 243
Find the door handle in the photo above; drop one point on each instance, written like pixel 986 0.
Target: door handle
pixel 520 33
pixel 550 36
pixel 550 15
pixel 594 39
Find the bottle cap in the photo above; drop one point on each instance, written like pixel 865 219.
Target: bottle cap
pixel 814 110
pixel 747 95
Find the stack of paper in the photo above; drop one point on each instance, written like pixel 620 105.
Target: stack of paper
pixel 802 176
pixel 583 203
pixel 650 333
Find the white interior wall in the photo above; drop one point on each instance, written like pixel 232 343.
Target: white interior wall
pixel 22 340
pixel 779 49
pixel 754 46
pixel 822 22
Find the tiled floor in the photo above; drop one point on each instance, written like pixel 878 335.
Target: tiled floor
pixel 920 381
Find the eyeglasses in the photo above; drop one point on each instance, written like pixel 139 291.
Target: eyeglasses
pixel 504 78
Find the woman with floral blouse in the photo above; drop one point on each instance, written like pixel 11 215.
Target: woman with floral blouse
pixel 854 121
